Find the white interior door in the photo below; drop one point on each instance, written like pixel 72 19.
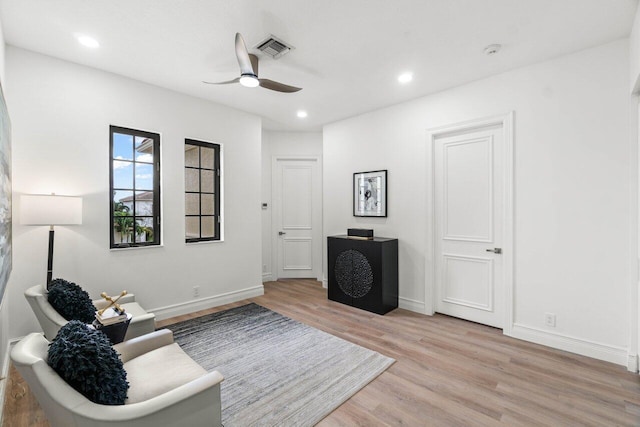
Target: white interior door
pixel 468 180
pixel 297 217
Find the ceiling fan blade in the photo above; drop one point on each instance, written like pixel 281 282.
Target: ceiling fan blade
pixel 277 86
pixel 236 80
pixel 243 56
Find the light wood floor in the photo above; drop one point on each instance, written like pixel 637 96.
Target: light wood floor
pixel 448 372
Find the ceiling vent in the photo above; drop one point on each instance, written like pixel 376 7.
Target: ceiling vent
pixel 274 47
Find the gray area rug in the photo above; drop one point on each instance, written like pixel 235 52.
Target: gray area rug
pixel 277 371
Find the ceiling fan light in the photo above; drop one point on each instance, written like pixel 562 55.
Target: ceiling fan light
pixel 249 81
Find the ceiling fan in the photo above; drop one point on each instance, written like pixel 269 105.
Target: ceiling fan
pixel 249 71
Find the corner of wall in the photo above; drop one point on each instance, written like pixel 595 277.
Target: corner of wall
pixel 634 54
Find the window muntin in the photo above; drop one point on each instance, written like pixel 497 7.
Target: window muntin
pixel 134 187
pixel 202 191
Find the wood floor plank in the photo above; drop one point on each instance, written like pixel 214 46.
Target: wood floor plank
pixel 448 372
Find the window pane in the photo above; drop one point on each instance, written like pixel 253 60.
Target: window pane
pixel 191 182
pixel 192 204
pixel 208 204
pixel 144 149
pixel 208 229
pixel 122 146
pixel 201 188
pixel 122 229
pixel 192 225
pixel 144 176
pixel 135 187
pixel 122 174
pixel 206 183
pixel 144 203
pixel 123 203
pixel 191 155
pixel 207 156
pixel 144 229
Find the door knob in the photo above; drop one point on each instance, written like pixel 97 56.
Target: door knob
pixel 280 233
pixel 495 250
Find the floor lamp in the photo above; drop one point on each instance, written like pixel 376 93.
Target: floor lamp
pixel 40 209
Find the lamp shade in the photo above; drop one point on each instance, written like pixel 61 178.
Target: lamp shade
pixel 37 209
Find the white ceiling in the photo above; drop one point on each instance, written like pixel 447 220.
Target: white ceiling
pixel 348 52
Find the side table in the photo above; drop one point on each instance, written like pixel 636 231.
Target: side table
pixel 115 331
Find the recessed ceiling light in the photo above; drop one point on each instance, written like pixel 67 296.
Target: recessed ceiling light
pixel 87 41
pixel 492 49
pixel 405 78
pixel 302 114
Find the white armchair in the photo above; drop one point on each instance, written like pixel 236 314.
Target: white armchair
pixel 51 321
pixel 166 387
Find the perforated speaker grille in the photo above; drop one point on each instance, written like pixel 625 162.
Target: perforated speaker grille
pixel 353 273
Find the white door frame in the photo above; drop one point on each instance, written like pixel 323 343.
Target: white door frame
pixel 506 122
pixel 317 267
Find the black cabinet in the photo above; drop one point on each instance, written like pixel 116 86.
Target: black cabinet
pixel 364 273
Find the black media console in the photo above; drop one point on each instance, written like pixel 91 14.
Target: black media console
pixel 364 273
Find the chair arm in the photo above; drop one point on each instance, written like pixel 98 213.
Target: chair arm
pixel 138 346
pixel 196 403
pixel 50 320
pixel 24 351
pixel 102 303
pixel 143 317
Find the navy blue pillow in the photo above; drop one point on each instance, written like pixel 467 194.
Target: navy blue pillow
pixel 85 359
pixel 71 301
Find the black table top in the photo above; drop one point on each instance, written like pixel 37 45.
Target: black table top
pixel 375 239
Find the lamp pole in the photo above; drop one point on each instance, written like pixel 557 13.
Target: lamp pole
pixel 50 259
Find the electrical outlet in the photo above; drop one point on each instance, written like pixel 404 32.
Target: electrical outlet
pixel 196 291
pixel 264 268
pixel 550 320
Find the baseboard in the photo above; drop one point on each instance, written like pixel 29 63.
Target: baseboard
pixel 632 363
pixel 3 382
pixel 267 277
pixel 608 353
pixel 325 283
pixel 204 303
pixel 4 374
pixel 411 305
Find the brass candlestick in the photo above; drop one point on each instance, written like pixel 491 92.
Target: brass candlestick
pixel 112 302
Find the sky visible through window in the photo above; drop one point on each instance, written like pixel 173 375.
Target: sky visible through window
pixel 129 162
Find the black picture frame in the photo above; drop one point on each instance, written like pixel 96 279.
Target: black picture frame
pixel 370 194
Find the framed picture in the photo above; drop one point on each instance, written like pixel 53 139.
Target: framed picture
pixel 370 193
pixel 5 196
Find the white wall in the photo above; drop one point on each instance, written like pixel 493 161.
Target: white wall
pixel 2 55
pixel 572 209
pixel 634 53
pixel 634 81
pixel 280 144
pixel 61 114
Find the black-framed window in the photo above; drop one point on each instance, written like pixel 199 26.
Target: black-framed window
pixel 202 191
pixel 134 174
